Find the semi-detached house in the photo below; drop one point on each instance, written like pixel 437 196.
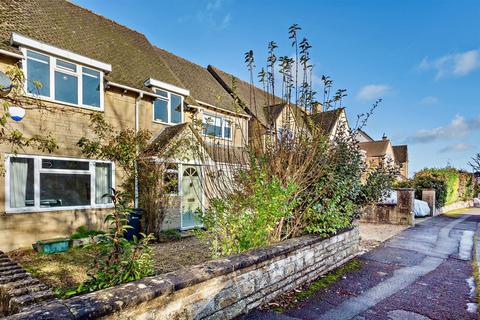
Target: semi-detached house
pixel 86 64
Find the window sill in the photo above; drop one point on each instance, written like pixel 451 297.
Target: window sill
pixel 50 100
pixel 49 209
pixel 216 138
pixel 167 123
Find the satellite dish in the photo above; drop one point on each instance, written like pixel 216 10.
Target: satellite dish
pixel 16 113
pixel 5 84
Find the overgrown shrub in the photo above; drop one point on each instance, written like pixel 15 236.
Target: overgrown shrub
pixel 118 260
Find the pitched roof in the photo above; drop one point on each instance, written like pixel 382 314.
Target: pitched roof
pixel 366 135
pixel 65 25
pixel 253 98
pixel 200 82
pixel 326 120
pixel 401 153
pixel 375 148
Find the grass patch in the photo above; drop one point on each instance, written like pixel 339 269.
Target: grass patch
pixel 456 212
pixel 66 270
pixel 328 279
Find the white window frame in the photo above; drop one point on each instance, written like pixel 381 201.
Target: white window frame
pixel 168 99
pixel 53 68
pixel 223 119
pixel 37 162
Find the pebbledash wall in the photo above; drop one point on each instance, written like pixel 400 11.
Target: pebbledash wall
pixel 219 289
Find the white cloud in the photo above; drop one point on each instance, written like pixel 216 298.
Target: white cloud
pixel 213 14
pixel 373 91
pixel 456 147
pixel 429 100
pixel 458 64
pixel 459 127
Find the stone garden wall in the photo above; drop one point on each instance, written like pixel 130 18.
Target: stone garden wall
pixel 219 289
pixel 399 213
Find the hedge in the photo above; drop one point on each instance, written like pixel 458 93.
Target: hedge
pixel 450 184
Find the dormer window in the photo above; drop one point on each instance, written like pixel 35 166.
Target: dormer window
pixel 168 107
pixel 63 81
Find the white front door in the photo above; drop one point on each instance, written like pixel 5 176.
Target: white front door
pixel 191 197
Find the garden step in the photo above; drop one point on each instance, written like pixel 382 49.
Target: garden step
pixel 11 272
pixel 22 283
pixel 28 290
pixel 18 303
pixel 14 277
pixel 10 267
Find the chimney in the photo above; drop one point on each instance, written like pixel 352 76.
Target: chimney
pixel 317 107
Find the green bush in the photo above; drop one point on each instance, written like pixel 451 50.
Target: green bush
pixel 450 185
pixel 249 218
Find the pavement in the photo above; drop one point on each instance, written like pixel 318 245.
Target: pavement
pixel 425 272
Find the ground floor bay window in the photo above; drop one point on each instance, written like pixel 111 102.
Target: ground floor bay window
pixel 37 183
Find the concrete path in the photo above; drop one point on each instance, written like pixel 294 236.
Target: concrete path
pixel 423 273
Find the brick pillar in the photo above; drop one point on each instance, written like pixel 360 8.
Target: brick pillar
pixel 428 195
pixel 404 209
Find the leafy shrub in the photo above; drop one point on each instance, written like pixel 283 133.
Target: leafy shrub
pixel 84 232
pixel 118 260
pixel 249 218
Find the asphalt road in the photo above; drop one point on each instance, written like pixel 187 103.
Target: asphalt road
pixel 425 272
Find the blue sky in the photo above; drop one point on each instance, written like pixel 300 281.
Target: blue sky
pixel 421 57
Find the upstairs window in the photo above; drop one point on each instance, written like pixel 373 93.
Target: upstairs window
pixel 168 108
pixel 217 126
pixel 63 81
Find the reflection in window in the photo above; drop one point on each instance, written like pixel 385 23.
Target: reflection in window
pixel 91 87
pixel 64 190
pixel 176 108
pixel 217 126
pixel 38 74
pixel 66 87
pixel 160 110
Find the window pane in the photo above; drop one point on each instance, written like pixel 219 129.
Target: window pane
pixel 66 65
pixel 103 182
pixel 21 182
pixel 66 87
pixel 64 190
pixel 212 126
pixel 64 164
pixel 227 131
pixel 38 74
pixel 162 93
pixel 91 87
pixel 160 111
pixel 176 112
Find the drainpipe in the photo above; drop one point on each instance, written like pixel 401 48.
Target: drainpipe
pixel 137 107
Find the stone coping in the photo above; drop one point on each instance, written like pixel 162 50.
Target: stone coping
pixel 107 301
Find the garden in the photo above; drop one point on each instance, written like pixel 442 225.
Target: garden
pixel 292 185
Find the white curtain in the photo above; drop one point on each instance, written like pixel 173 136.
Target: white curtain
pixel 102 182
pixel 18 182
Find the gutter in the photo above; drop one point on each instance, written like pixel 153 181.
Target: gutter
pixel 11 54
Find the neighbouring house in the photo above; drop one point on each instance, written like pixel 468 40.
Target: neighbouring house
pixel 273 116
pixel 362 136
pixel 376 150
pixel 89 64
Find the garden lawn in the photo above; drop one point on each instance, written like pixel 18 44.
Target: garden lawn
pixel 68 269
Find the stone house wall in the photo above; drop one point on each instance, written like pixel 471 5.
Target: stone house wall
pixel 219 289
